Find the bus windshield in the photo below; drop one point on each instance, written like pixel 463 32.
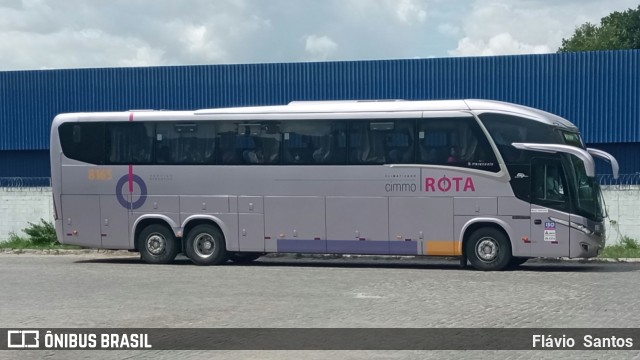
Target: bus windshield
pixel 589 199
pixel 507 129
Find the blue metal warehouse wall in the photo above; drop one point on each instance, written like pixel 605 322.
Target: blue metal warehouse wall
pixel 599 91
pixel 24 163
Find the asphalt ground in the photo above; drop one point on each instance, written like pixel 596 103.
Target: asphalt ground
pixel 109 290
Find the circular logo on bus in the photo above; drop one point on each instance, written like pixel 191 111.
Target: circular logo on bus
pixel 123 200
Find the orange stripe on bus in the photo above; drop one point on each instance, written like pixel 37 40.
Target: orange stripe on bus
pixel 444 248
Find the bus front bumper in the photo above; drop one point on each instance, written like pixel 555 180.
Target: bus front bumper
pixel 587 244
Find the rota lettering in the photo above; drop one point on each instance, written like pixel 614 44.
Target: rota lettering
pixel 445 184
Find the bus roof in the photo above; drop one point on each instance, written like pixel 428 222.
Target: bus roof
pixel 393 105
pixel 342 106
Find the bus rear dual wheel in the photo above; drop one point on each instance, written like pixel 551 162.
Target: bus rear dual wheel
pixel 489 249
pixel 157 244
pixel 204 245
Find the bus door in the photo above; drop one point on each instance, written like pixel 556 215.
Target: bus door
pixel 549 209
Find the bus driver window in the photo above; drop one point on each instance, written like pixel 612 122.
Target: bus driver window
pixel 548 183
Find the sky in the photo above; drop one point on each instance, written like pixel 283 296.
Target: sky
pixel 52 34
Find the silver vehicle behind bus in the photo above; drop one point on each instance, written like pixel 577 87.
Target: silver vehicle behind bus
pixel 490 182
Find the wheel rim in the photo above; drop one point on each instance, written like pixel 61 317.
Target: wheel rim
pixel 204 245
pixel 487 249
pixel 156 243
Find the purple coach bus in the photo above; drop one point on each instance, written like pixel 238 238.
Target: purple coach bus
pixel 490 182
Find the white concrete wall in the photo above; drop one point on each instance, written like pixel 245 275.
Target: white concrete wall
pixel 19 206
pixel 623 206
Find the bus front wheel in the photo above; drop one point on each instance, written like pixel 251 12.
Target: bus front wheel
pixel 157 245
pixel 205 245
pixel 488 249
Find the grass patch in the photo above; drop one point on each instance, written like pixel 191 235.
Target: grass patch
pixel 17 242
pixel 39 236
pixel 628 248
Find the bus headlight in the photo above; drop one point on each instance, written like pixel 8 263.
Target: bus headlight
pixel 581 227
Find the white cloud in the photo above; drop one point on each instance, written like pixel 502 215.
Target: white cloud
pixel 77 33
pixel 501 44
pixel 449 30
pixel 75 49
pixel 404 12
pixel 320 47
pixel 410 11
pixel 202 44
pixel 503 27
pixel 142 56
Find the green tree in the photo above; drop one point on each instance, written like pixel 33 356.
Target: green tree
pixel 618 30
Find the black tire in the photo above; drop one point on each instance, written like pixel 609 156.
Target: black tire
pixel 205 245
pixel 244 257
pixel 157 244
pixel 488 249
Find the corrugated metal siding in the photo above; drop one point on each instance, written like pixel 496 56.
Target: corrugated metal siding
pixel 24 164
pixel 596 90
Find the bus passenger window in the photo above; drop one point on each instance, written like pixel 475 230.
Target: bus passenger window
pixel 296 149
pixel 400 144
pixel 254 156
pixel 313 142
pixel 249 143
pixel 453 156
pixel 433 146
pixel 270 148
pixel 246 146
pixel 163 155
pixel 226 145
pixel 129 142
pixel 456 142
pixel 185 143
pixel 83 141
pixel 381 142
pixel 366 144
pixel 322 153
